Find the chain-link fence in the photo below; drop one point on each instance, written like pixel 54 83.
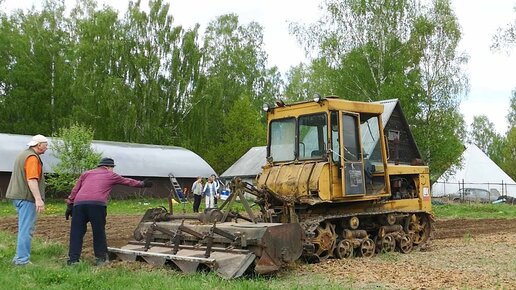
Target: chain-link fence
pixel 475 191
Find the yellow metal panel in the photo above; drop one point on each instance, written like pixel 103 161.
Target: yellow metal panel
pixel 262 178
pixel 424 194
pixel 304 178
pixel 271 180
pixel 357 107
pixel 337 191
pixel 324 183
pixel 290 180
pixel 303 108
pixel 314 178
pixel 406 169
pixel 287 180
pixel 402 204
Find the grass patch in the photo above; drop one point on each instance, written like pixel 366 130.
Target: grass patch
pixel 388 256
pixel 127 206
pixel 475 211
pixel 467 238
pixel 49 271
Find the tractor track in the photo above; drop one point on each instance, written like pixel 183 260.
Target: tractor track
pixel 119 228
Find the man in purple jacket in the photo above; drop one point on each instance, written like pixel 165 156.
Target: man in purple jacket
pixel 88 202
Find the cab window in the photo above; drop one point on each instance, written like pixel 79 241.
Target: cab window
pixel 282 139
pixel 313 135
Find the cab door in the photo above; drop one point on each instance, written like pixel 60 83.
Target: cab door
pixel 353 181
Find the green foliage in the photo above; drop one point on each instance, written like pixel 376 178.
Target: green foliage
pixel 299 87
pixel 482 133
pixel 391 257
pixel 467 238
pixel 507 157
pixel 135 77
pixel 475 211
pixel 505 38
pixel 72 146
pixel 500 148
pixel 511 116
pixel 233 69
pixel 241 130
pixel 376 50
pixel 509 153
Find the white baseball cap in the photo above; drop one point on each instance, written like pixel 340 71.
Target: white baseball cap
pixel 36 140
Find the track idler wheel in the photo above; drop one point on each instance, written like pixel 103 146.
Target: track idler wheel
pixel 367 248
pixel 386 244
pixel 419 228
pixel 404 243
pixel 344 249
pixel 324 241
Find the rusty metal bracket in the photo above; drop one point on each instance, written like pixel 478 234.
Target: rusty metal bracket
pixel 148 237
pixel 224 234
pixel 230 201
pixel 163 230
pixel 187 230
pixel 209 240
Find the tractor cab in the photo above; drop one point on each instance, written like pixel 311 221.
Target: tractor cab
pixel 335 146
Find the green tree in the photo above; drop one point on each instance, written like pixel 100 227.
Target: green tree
pixel 242 129
pixel 72 146
pixel 482 133
pixel 375 50
pixel 505 38
pixel 233 67
pixel 496 150
pixel 511 116
pixel 163 65
pixel 509 153
pixel 299 86
pixel 30 90
pixel 507 158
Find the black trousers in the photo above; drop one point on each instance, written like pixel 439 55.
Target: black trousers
pixel 196 202
pixel 96 216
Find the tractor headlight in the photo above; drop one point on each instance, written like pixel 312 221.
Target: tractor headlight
pixel 317 98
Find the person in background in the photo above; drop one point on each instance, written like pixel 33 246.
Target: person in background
pixel 88 203
pixel 197 188
pixel 218 188
pixel 27 191
pixel 209 191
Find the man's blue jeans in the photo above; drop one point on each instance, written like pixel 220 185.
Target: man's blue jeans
pixel 26 220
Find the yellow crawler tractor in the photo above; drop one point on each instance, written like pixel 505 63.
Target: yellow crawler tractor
pixel 341 179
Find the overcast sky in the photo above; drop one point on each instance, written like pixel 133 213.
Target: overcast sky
pixel 492 74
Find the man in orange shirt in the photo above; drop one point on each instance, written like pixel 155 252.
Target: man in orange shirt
pixel 27 191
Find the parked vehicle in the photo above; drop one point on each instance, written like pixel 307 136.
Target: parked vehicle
pixel 474 195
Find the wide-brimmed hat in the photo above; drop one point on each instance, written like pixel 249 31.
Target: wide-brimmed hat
pixel 109 162
pixel 37 139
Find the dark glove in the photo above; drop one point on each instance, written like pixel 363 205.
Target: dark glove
pixel 69 210
pixel 147 183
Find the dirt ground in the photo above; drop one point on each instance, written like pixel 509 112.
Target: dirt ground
pixel 463 254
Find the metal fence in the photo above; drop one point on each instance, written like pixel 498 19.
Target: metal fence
pixel 493 190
